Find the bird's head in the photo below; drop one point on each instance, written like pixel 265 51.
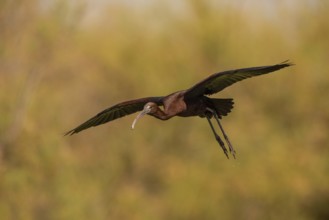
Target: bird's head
pixel 149 108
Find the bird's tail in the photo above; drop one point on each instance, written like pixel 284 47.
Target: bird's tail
pixel 222 106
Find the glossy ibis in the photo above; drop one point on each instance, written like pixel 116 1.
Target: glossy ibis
pixel 185 103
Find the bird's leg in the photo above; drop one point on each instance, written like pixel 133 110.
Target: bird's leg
pixel 219 140
pixel 232 151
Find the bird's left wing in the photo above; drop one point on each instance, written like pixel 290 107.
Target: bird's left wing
pixel 220 81
pixel 115 112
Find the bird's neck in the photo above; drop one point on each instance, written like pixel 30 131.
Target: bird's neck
pixel 160 114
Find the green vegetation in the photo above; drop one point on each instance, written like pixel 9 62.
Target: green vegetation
pixel 62 63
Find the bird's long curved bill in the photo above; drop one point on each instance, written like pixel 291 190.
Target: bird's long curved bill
pixel 141 114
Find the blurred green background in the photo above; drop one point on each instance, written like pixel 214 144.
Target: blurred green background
pixel 61 62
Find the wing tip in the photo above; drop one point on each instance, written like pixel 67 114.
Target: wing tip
pixel 70 133
pixel 287 63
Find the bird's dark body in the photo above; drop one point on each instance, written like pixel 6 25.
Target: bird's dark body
pixel 175 104
pixel 195 107
pixel 185 103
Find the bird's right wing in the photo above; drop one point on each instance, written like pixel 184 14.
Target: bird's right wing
pixel 115 112
pixel 220 81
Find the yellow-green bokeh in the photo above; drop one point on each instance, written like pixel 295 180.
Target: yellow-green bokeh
pixel 61 62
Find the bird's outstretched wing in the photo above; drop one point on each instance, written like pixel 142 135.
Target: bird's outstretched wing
pixel 116 111
pixel 220 81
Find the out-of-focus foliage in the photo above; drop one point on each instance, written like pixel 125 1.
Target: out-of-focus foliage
pixel 61 63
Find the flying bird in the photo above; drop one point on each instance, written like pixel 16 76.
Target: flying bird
pixel 186 103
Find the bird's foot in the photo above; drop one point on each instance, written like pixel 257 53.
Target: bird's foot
pixel 225 152
pixel 232 151
pixel 222 145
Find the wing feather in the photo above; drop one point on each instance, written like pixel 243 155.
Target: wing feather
pixel 221 80
pixel 115 112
